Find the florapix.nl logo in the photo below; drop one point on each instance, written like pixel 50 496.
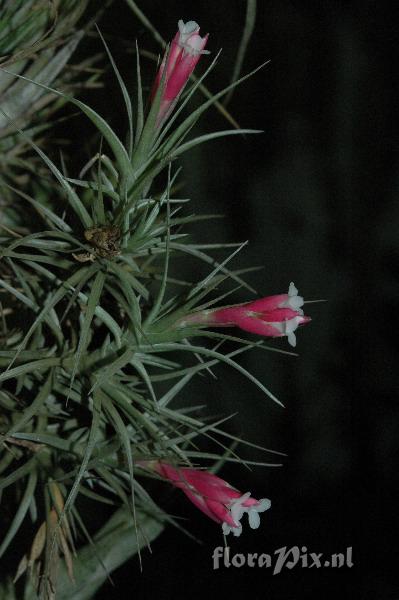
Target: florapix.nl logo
pixel 282 558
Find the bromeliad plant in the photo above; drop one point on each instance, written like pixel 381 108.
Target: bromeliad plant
pixel 98 338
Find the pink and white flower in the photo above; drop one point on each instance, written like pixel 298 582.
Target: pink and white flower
pixel 178 64
pixel 273 316
pixel 215 497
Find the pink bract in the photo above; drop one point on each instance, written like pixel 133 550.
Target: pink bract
pixel 215 497
pixel 178 64
pixel 272 316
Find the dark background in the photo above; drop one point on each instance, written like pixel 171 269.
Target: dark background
pixel 315 195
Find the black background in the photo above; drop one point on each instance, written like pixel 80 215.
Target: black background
pixel 315 195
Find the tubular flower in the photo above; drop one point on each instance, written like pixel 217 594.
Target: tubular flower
pixel 178 64
pixel 273 316
pixel 215 497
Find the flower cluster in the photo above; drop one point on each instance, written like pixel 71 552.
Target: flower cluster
pixel 273 316
pixel 178 64
pixel 215 497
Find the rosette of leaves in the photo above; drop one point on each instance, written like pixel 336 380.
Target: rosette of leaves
pixel 91 359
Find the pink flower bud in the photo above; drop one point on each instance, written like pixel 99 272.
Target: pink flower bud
pixel 178 64
pixel 215 497
pixel 273 316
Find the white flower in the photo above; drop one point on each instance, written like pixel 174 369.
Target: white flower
pixel 237 510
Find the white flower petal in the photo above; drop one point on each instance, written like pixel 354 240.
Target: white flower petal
pixel 253 512
pixel 237 531
pixel 264 504
pixel 237 510
pixel 187 28
pixel 226 528
pixel 293 301
pixel 253 518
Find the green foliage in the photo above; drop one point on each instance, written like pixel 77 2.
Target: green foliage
pixel 93 362
pixel 37 39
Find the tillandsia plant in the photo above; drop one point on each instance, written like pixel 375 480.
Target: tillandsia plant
pixel 99 337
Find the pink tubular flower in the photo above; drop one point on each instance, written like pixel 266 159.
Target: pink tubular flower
pixel 215 497
pixel 273 316
pixel 184 53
